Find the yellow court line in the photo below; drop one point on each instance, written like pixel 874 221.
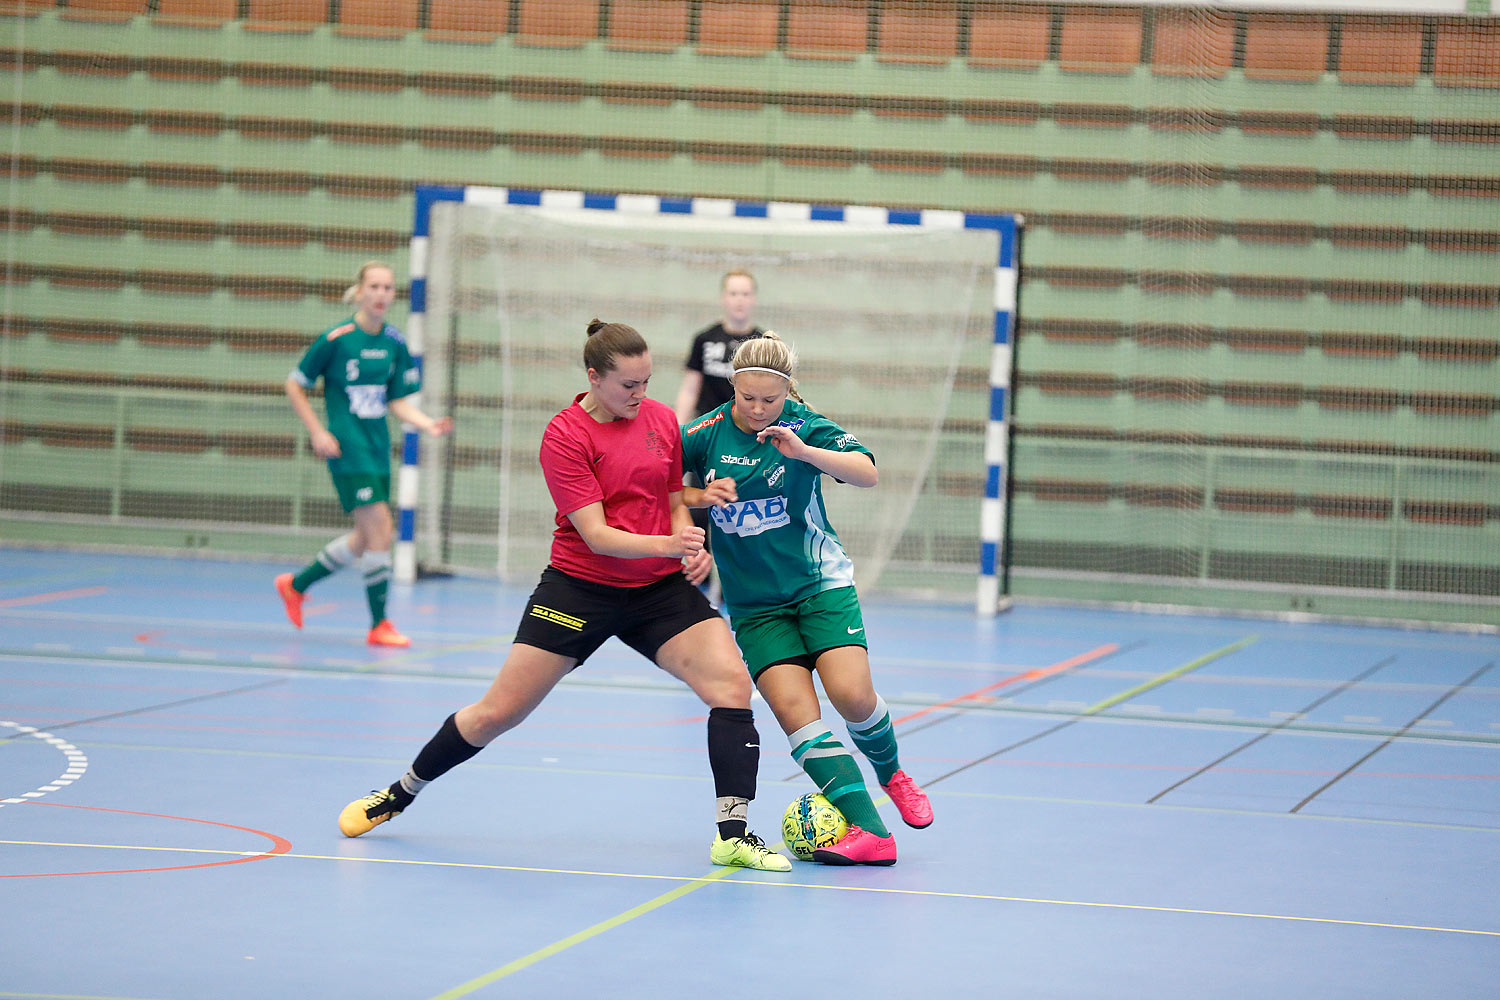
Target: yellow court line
pixel 132 847
pixel 1161 679
pixel 697 882
pixel 1120 906
pixel 463 989
pixel 378 861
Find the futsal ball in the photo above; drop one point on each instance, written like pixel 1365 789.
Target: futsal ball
pixel 812 822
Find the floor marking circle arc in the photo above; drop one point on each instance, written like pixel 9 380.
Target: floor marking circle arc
pixel 279 845
pixel 78 763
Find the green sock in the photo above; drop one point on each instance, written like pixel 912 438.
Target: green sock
pixel 876 739
pixel 833 770
pixel 376 566
pixel 334 557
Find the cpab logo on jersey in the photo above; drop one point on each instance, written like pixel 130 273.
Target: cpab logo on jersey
pixel 366 401
pixel 751 517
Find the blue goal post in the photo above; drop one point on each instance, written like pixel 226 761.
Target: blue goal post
pixel 993 584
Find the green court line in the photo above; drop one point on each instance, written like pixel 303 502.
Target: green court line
pixel 1161 679
pixel 59 996
pixel 1147 685
pixel 226 663
pixel 91 579
pixel 433 652
pixel 386 672
pixel 464 989
pixel 1220 722
pixel 1268 814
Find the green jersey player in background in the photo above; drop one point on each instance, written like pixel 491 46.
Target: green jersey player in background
pixel 366 371
pixel 789 586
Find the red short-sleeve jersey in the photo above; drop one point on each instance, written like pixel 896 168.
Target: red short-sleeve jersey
pixel 632 467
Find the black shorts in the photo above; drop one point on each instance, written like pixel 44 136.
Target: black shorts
pixel 573 617
pixel 701 519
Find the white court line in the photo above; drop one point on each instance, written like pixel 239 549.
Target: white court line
pixel 78 763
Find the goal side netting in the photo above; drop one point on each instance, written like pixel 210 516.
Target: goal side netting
pixel 892 324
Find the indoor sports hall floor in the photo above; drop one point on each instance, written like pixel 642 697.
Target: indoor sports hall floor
pixel 1128 805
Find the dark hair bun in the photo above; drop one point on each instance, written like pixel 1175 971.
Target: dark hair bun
pixel 595 325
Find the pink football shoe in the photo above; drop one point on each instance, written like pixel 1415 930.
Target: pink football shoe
pixel 858 847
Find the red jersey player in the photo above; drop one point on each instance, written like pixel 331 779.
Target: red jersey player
pixel 622 556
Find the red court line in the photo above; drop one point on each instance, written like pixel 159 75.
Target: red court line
pixel 1030 675
pixel 280 845
pixel 56 595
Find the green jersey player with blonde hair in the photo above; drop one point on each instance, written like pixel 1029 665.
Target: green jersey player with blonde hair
pixel 789 585
pixel 366 372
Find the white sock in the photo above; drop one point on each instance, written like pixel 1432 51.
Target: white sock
pixel 336 554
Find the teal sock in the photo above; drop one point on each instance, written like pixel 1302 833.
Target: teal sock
pixel 376 567
pixel 876 739
pixel 833 770
pixel 334 557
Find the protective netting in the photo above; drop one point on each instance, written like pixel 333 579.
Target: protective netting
pixel 1257 342
pixel 1264 378
pixel 882 319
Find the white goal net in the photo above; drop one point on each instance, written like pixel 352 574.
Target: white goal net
pixel 893 326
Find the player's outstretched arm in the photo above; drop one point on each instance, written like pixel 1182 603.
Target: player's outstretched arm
pixel 406 412
pixel 852 467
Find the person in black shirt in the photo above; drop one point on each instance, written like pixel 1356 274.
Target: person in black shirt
pixel 705 377
pixel 705 380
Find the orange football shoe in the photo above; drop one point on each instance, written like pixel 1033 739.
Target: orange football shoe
pixel 385 634
pixel 291 597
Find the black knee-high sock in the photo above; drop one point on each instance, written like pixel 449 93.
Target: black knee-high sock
pixel 734 758
pixel 446 750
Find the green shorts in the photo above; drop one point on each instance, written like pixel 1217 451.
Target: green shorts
pixel 798 633
pixel 357 491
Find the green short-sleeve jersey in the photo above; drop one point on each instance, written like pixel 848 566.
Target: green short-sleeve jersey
pixel 773 546
pixel 361 372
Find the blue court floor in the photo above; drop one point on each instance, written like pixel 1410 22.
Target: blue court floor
pixel 1128 806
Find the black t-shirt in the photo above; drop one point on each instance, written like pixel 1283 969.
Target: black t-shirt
pixel 710 355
